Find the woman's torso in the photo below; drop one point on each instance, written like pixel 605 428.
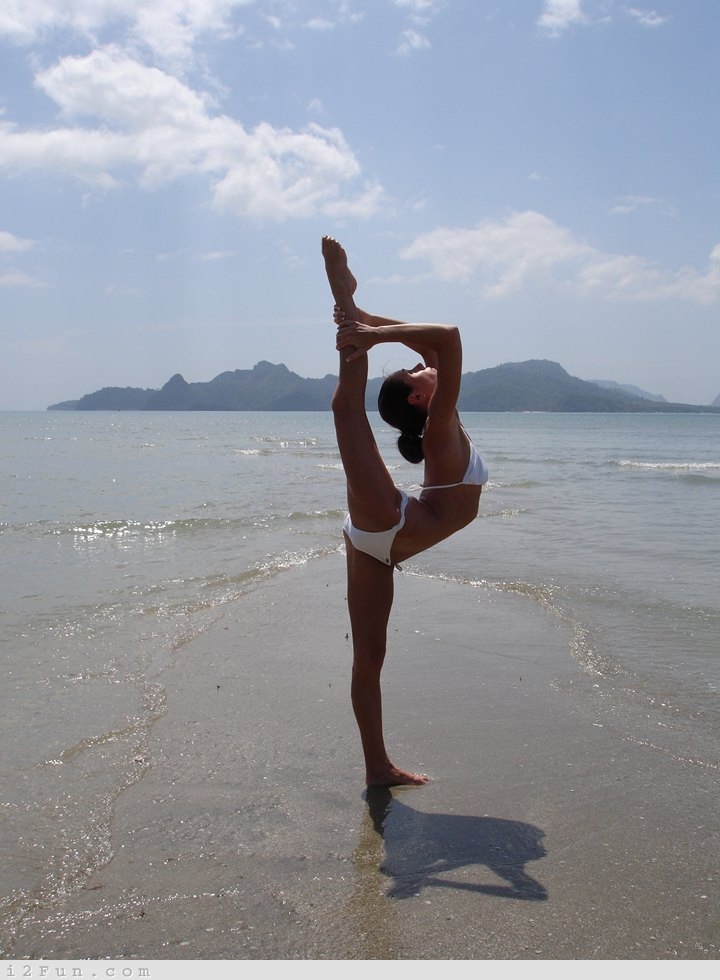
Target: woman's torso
pixel 445 504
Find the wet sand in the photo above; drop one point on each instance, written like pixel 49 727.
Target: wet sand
pixel 543 834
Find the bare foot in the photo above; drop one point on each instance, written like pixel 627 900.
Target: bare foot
pixel 342 282
pixel 392 776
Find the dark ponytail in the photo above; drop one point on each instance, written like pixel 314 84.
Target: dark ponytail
pixel 396 410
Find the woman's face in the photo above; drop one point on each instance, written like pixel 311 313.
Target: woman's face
pixel 422 380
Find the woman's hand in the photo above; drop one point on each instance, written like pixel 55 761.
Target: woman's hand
pixel 359 337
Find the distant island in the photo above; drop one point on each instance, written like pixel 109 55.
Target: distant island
pixel 522 386
pixel 630 389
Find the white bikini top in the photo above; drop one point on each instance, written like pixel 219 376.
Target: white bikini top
pixel 476 474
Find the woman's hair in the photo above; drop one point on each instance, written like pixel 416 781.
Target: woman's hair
pixel 396 410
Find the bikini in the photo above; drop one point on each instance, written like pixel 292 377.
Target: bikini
pixel 378 544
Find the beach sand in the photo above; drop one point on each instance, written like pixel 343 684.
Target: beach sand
pixel 543 834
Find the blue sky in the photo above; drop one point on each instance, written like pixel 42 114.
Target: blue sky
pixel 544 173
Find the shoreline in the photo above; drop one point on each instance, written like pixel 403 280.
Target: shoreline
pixel 542 834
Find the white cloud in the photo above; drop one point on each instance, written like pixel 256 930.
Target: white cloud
pixel 412 40
pixel 342 14
pixel 506 253
pixel 9 279
pixel 274 21
pixel 505 256
pixel 631 203
pixel 217 256
pixel 276 173
pixel 11 243
pixel 156 129
pixel 109 85
pixel 557 16
pixel 421 6
pixel 419 15
pixel 647 18
pixel 366 204
pixel 319 24
pixel 169 27
pixel 632 277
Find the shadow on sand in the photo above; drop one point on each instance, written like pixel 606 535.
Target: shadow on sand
pixel 420 847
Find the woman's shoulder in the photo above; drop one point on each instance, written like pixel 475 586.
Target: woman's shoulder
pixel 444 437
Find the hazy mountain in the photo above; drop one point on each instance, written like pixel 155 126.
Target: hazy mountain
pixel 267 387
pixel 524 386
pixel 125 399
pixel 630 389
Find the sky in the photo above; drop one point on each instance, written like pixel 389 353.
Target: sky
pixel 543 173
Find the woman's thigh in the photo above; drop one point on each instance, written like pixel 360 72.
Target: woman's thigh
pixel 370 598
pixel 373 499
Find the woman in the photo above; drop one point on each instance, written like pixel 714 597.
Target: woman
pixel 385 526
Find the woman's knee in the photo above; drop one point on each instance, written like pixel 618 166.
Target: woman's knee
pixel 367 664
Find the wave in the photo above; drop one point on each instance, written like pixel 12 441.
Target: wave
pixel 499 457
pixel 503 512
pixel 329 514
pixel 701 479
pixel 582 646
pixel 670 466
pixel 640 705
pixel 287 449
pixel 210 593
pixel 305 442
pixel 513 485
pixel 128 529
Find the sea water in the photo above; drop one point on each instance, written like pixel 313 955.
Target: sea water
pixel 124 535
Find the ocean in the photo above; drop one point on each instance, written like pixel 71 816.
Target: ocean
pixel 125 535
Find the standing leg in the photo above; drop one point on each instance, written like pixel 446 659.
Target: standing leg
pixel 370 597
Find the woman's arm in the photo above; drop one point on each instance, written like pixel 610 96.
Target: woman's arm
pixel 373 320
pixel 437 343
pixel 437 338
pixel 427 353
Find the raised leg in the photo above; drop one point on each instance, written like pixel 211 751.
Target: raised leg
pixel 342 282
pixel 373 499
